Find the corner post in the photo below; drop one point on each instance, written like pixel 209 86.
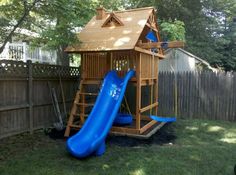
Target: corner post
pixel 138 92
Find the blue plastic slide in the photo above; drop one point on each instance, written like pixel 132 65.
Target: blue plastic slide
pixel 91 138
pixel 163 119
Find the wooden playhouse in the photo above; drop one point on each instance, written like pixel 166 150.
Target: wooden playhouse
pixel 118 41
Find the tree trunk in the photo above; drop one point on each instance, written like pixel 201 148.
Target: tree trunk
pixel 62 57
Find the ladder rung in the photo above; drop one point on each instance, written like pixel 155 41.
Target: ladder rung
pixel 85 104
pixel 87 93
pixel 77 115
pixel 75 126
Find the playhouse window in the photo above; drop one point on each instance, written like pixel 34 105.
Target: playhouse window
pixel 121 64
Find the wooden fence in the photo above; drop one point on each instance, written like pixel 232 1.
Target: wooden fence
pixel 204 95
pixel 25 101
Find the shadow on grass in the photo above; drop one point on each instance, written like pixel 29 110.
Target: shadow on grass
pixel 205 132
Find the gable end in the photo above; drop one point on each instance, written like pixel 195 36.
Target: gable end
pixel 112 20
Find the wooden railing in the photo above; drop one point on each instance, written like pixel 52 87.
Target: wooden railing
pixel 23 52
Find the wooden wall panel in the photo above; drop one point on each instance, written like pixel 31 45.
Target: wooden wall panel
pixel 14 96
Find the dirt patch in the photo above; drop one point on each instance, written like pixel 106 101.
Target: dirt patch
pixel 164 136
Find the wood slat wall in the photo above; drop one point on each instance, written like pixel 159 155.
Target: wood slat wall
pixel 204 95
pixel 14 95
pixel 94 65
pixel 148 66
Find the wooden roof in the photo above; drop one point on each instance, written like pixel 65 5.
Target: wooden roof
pixel 97 36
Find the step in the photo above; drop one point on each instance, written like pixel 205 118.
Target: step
pixel 85 104
pixel 88 93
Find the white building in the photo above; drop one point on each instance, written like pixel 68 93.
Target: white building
pixel 179 60
pixel 21 51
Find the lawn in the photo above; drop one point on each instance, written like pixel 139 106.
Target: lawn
pixel 187 147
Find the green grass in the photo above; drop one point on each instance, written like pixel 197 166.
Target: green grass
pixel 202 148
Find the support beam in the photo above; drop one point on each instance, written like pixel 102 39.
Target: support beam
pixel 151 27
pixel 171 44
pixel 149 52
pixel 147 126
pixel 149 107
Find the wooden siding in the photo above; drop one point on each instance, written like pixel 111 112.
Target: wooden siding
pixel 94 65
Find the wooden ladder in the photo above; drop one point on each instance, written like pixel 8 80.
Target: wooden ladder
pixel 78 109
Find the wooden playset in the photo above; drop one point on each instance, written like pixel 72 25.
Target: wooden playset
pixel 118 41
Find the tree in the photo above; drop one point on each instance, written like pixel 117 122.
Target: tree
pixel 208 26
pixel 56 21
pixel 173 30
pixel 13 19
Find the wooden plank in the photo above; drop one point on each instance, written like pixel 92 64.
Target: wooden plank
pixel 82 109
pixel 156 85
pixel 13 107
pixel 145 79
pixel 170 44
pixel 151 27
pixel 88 93
pixel 138 92
pixel 187 92
pixel 149 107
pixel 30 96
pixel 191 97
pixel 233 114
pixel 149 52
pixel 125 130
pixel 141 136
pixel 78 115
pixel 147 126
pixel 85 104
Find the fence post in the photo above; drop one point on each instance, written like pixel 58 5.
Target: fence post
pixel 30 96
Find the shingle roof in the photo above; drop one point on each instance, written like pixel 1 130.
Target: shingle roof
pixel 94 37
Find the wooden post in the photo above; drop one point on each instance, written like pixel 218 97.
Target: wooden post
pixel 138 92
pixel 30 96
pixel 82 109
pixel 156 84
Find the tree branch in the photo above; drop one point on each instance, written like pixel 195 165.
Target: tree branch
pixel 27 9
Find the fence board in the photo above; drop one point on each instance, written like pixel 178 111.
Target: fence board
pixel 14 98
pixel 204 95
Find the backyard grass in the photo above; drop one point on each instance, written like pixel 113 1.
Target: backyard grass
pixel 201 147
